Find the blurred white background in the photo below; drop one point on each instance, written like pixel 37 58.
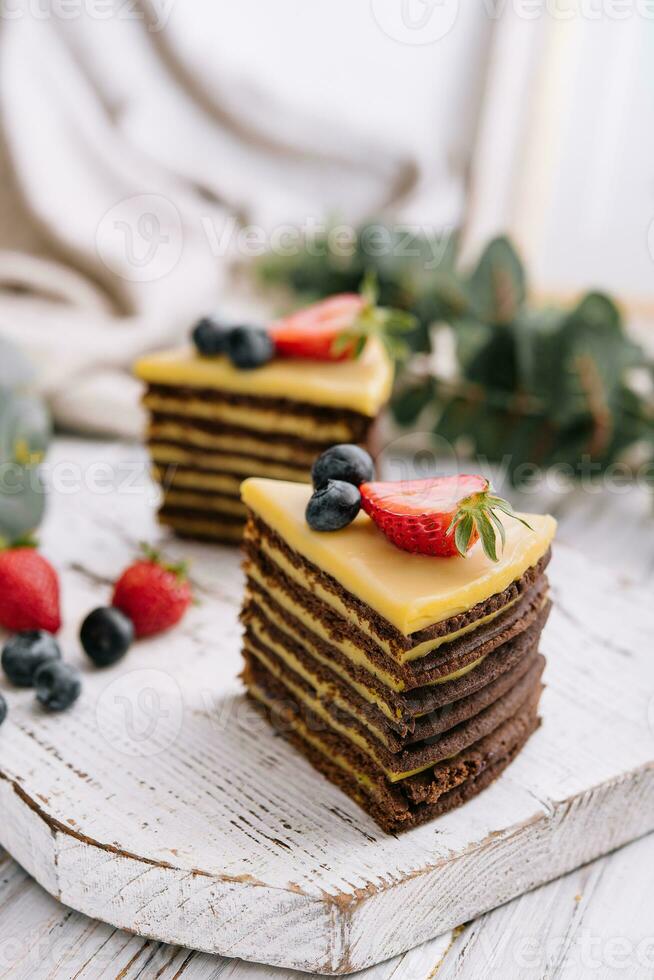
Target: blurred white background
pixel 540 109
pixel 142 142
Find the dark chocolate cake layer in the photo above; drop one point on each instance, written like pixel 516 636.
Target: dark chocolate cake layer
pixel 388 715
pixel 172 475
pixel 411 715
pixel 196 502
pixel 285 406
pixel 262 540
pixel 411 801
pixel 299 604
pixel 206 441
pixel 241 464
pixel 465 724
pixel 219 528
pixel 187 440
pixel 221 511
pixel 259 415
pixel 318 656
pixel 321 683
pixel 198 427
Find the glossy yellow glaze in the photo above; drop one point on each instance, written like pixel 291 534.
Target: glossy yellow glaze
pixel 362 385
pixel 410 591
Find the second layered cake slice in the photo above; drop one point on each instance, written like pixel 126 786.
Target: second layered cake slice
pixel 409 681
pixel 211 424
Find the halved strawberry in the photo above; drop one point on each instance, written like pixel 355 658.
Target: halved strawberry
pixel 314 331
pixel 441 516
pixel 337 329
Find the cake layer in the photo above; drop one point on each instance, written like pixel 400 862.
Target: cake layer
pixel 263 545
pixel 433 659
pixel 260 415
pixel 236 463
pixel 183 478
pixel 189 501
pixel 399 806
pixel 220 510
pixel 332 701
pixel 411 592
pixel 220 527
pixel 362 385
pixel 376 681
pixel 395 719
pixel 415 759
pixel 231 439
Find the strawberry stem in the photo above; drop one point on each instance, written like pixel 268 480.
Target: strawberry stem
pixel 180 568
pixel 479 512
pixel 373 320
pixel 24 541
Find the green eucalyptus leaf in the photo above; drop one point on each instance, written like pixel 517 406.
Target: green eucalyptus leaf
pixel 497 285
pixel 15 368
pixel 25 427
pixel 495 364
pixel 536 386
pixel 410 401
pixel 25 430
pixel 22 500
pixel 588 359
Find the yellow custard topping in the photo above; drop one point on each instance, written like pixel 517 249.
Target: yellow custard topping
pixel 410 591
pixel 362 385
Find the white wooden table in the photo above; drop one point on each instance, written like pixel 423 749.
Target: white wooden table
pixel 596 922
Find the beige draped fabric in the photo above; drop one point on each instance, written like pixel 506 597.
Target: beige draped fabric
pixel 121 183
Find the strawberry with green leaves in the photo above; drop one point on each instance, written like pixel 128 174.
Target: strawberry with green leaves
pixel 154 595
pixel 337 328
pixel 442 516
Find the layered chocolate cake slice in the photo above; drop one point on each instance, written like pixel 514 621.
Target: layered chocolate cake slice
pixel 410 680
pixel 259 402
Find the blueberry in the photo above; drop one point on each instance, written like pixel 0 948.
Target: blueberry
pixel 57 685
pixel 106 635
pixel 3 709
pixel 333 506
pixel 25 652
pixel 210 336
pixel 343 462
pixel 249 347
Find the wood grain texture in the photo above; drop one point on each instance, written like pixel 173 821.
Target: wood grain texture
pixel 161 804
pixel 596 922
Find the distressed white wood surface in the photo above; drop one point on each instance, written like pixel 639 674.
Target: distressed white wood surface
pixel 348 854
pixel 592 924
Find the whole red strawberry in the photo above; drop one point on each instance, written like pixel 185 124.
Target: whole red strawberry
pixel 153 594
pixel 443 516
pixel 29 590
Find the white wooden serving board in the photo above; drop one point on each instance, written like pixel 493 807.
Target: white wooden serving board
pixel 162 804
